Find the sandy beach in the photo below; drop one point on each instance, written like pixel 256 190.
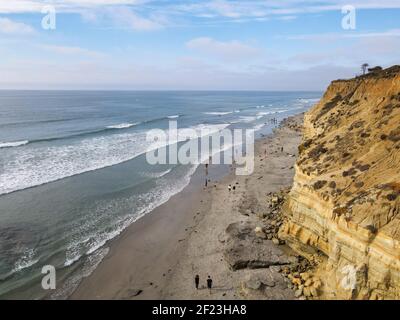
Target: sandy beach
pixel 158 256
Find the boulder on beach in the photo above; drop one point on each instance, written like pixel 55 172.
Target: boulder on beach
pixel 244 249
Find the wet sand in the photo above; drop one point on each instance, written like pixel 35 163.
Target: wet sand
pixel 158 256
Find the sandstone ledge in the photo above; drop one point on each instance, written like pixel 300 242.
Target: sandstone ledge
pixel 345 200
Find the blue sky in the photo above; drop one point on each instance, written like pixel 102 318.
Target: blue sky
pixel 193 45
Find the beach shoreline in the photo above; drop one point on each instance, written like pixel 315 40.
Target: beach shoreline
pixel 158 256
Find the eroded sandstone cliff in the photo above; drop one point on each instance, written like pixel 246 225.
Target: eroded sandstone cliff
pixel 345 201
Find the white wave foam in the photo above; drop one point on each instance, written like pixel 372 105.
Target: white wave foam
pixel 218 113
pixel 91 246
pixel 247 119
pixel 264 113
pixel 282 110
pixel 206 129
pixel 71 258
pixel 157 174
pixel 13 144
pixel 70 285
pixel 258 126
pixel 276 111
pixel 89 238
pixel 184 134
pixel 44 164
pixel 122 125
pixel 27 260
pixel 173 117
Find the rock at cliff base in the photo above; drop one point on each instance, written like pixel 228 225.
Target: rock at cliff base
pixel 245 250
pixel 266 284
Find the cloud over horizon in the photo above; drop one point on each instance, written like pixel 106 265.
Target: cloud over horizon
pixel 229 50
pixel 210 44
pixel 8 26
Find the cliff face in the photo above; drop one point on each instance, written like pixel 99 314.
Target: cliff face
pixel 345 200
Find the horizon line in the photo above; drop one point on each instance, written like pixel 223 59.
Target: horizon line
pixel 162 90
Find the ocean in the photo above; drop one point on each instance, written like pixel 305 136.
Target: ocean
pixel 74 175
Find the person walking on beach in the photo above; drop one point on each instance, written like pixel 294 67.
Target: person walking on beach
pixel 209 283
pixel 197 281
pixel 206 183
pixel 229 188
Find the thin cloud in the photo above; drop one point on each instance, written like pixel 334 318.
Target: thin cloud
pixel 230 50
pixel 287 18
pixel 345 35
pixel 122 13
pixel 29 6
pixel 148 15
pixel 257 9
pixel 125 18
pixel 206 8
pixel 8 26
pixel 67 50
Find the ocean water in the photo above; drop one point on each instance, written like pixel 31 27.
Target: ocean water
pixel 74 175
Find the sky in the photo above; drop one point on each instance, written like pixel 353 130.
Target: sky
pixel 269 45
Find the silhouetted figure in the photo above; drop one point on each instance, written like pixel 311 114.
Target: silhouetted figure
pixel 364 67
pixel 197 281
pixel 206 166
pixel 209 283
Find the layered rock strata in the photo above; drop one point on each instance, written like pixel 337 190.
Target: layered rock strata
pixel 345 200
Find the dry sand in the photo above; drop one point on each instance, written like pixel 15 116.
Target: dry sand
pixel 158 256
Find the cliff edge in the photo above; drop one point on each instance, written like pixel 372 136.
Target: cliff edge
pixel 344 205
